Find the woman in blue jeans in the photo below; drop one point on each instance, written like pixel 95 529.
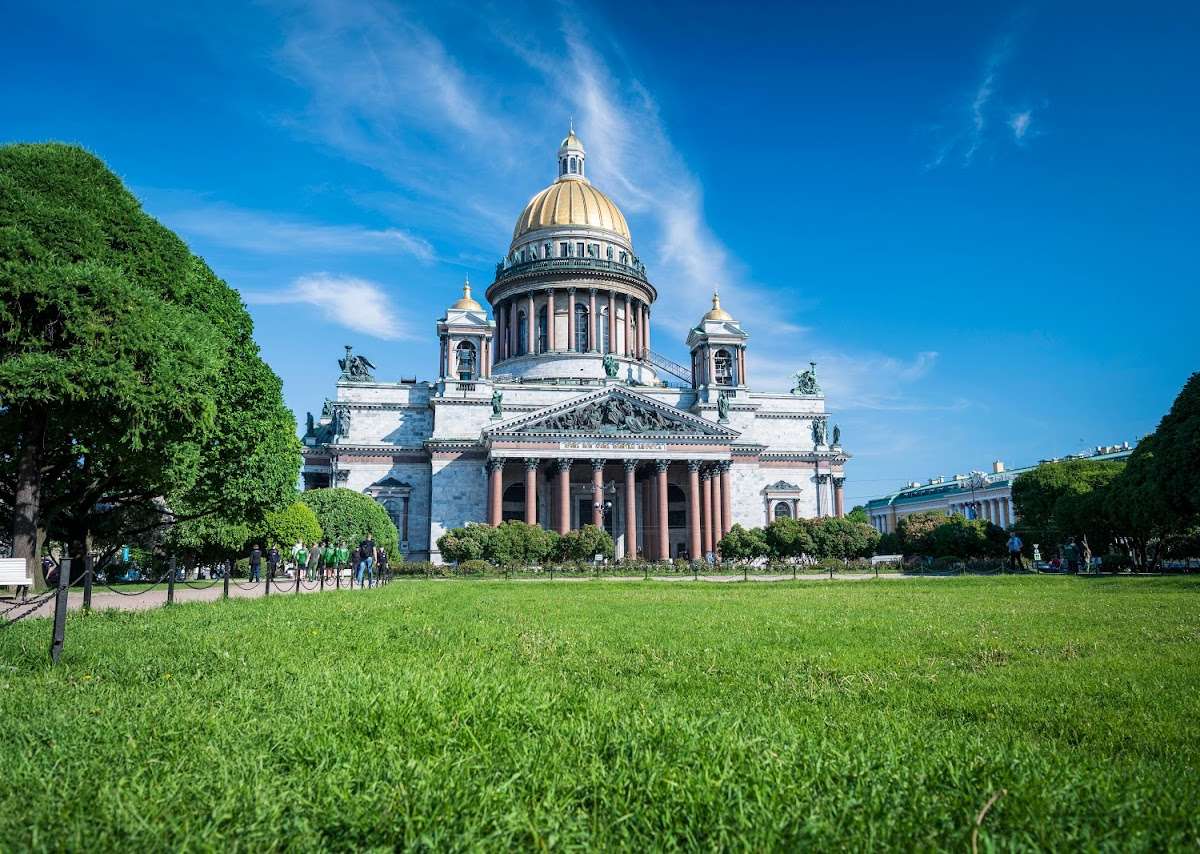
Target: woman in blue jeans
pixel 366 560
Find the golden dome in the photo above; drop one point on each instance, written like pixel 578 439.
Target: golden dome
pixel 466 303
pixel 570 140
pixel 571 201
pixel 717 313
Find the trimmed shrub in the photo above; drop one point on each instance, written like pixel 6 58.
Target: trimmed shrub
pixel 348 516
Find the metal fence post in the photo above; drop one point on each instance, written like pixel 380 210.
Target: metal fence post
pixel 171 581
pixel 267 575
pixel 321 572
pixel 745 572
pixel 225 586
pixel 87 582
pixel 337 576
pixel 297 578
pixel 793 572
pixel 60 610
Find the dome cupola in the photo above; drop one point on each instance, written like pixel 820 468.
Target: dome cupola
pixel 571 157
pixel 465 302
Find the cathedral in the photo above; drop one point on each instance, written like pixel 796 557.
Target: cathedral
pixel 555 410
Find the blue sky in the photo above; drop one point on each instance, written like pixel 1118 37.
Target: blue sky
pixel 980 220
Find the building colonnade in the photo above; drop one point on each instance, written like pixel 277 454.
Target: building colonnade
pixel 525 323
pixel 644 494
pixel 997 510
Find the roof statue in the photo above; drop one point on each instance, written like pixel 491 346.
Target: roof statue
pixel 310 426
pixel 356 368
pixel 610 366
pixel 837 436
pixel 497 403
pixel 341 421
pixel 818 431
pixel 806 381
pixel 722 407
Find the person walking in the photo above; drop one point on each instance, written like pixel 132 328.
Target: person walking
pixel 255 563
pixel 366 559
pixel 299 556
pixel 343 557
pixel 314 561
pixel 328 560
pixel 1014 552
pixel 273 558
pixel 381 564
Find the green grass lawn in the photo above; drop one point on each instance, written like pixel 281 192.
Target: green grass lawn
pixel 615 715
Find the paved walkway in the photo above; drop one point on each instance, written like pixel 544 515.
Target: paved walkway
pixel 103 598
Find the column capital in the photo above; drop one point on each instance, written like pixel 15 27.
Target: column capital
pixel 495 463
pixel 592 291
pixel 563 463
pixel 662 465
pixel 724 465
pixel 839 482
pixel 631 465
pixel 822 478
pixel 694 465
pixel 571 289
pixel 706 473
pixel 598 463
pixel 531 462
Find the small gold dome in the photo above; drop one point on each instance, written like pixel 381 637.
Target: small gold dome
pixel 718 313
pixel 571 202
pixel 466 303
pixel 570 140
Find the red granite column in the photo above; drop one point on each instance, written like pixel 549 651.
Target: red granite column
pixel 531 470
pixel 726 498
pixel 598 493
pixel 648 527
pixel 551 343
pixel 718 530
pixel 839 506
pixel 564 496
pixel 694 510
pixel 706 508
pixel 495 469
pixel 630 510
pixel 664 539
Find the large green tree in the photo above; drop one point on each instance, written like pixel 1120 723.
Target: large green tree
pixel 913 531
pixel 348 516
pixel 789 538
pixel 844 538
pixel 130 385
pixel 1063 500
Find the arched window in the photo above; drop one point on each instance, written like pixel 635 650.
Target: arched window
pixel 581 328
pixel 723 367
pixel 572 165
pixel 466 360
pixel 522 334
pixel 512 505
pixel 543 339
pixel 782 510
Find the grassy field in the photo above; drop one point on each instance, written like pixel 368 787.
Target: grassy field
pixel 616 715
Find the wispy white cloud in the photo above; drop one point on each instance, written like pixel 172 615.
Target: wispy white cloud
pixel 968 129
pixel 1019 123
pixel 358 304
pixel 257 231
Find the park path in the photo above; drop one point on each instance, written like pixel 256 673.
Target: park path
pixel 103 598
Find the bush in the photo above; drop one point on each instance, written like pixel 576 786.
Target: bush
pixel 744 544
pixel 473 567
pixel 472 542
pixel 283 528
pixel 518 543
pixel 348 516
pixel 415 567
pixel 1116 562
pixel 585 544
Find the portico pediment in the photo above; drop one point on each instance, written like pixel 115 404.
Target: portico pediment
pixel 614 411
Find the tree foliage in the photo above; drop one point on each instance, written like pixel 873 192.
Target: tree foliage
pixel 744 544
pixel 960 537
pixel 130 381
pixel 348 517
pixel 843 538
pixel 295 523
pixel 472 542
pixel 913 531
pixel 788 538
pixel 584 544
pixel 513 542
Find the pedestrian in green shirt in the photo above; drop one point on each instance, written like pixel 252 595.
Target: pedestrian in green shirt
pixel 328 560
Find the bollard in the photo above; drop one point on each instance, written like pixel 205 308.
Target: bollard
pixel 87 582
pixel 337 577
pixel 225 586
pixel 267 575
pixel 297 578
pixel 793 572
pixel 60 610
pixel 171 581
pixel 322 571
pixel 695 571
pixel 745 572
pixel 876 570
pixel 831 572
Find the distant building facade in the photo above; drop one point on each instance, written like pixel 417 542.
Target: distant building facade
pixel 978 495
pixel 552 408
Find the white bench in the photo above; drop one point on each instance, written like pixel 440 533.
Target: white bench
pixel 14 572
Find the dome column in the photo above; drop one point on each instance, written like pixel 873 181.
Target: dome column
pixel 570 320
pixel 592 321
pixel 612 322
pixel 628 349
pixel 531 324
pixel 551 344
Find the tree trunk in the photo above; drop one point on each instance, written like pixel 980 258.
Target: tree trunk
pixel 28 496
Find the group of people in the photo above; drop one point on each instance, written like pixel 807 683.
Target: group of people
pixel 325 560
